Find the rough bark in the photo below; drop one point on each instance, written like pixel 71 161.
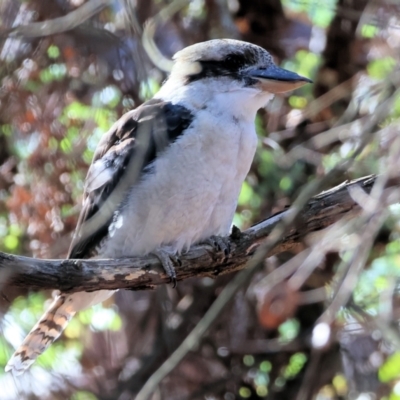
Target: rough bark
pixel 202 260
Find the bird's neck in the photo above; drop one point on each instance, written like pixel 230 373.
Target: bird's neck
pixel 217 96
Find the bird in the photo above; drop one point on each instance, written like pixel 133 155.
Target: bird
pixel 168 174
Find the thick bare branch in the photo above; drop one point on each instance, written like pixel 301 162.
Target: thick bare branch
pixel 60 24
pixel 202 260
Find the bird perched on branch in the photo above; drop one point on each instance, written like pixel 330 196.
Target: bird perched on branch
pixel 168 174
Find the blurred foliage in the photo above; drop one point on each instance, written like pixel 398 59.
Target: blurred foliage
pixel 319 16
pixel 58 96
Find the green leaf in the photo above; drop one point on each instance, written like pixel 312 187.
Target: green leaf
pixel 297 101
pixel 296 364
pixel 78 111
pixel 11 242
pixel 244 392
pixel 390 370
pixel 289 330
pixel 6 129
pixel 285 184
pixel 248 360
pixel 265 366
pixel 369 31
pixel 83 395
pixel 66 146
pixel 148 88
pixel 32 86
pixel 245 194
pixel 381 67
pixel 4 351
pixel 53 51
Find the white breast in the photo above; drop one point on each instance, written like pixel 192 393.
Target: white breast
pixel 191 194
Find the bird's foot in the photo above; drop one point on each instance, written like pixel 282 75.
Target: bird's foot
pixel 220 244
pixel 168 262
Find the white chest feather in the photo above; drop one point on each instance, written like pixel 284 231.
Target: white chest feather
pixel 193 190
pixel 191 193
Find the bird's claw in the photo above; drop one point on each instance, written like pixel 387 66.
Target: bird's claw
pixel 220 244
pixel 168 262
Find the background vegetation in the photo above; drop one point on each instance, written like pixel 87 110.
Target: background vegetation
pixel 329 331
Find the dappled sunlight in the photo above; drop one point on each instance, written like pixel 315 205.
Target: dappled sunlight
pixel 319 320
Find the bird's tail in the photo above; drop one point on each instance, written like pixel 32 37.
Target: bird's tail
pixel 43 334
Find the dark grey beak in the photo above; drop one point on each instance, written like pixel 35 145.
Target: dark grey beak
pixel 277 80
pixel 278 74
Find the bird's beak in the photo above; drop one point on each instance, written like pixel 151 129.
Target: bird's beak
pixel 274 79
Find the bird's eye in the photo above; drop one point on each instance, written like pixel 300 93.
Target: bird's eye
pixel 234 61
pixel 231 59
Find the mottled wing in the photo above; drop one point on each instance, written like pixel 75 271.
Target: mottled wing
pixel 121 157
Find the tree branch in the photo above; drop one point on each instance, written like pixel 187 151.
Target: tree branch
pixel 202 260
pixel 57 25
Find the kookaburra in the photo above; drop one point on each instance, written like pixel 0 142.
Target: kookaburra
pixel 168 174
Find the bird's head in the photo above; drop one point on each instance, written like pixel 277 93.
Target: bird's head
pixel 245 64
pixel 227 75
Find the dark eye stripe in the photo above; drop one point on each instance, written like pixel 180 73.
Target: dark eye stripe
pixel 231 65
